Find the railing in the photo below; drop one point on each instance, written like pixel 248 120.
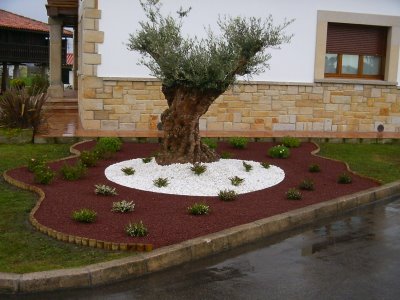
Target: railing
pixel 23 53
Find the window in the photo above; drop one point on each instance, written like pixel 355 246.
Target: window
pixel 355 51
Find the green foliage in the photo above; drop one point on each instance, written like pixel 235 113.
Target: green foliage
pixel 20 110
pixel 198 168
pixel 36 162
pixel 279 151
pixel 128 170
pixel 247 167
pixel 236 181
pixel 199 209
pixel 136 229
pixel 84 215
pixel 291 142
pixel 307 184
pixel 38 84
pixel 17 83
pixel 265 165
pixel 226 155
pixel 73 172
pixel 227 195
pixel 211 63
pixel 88 158
pixel 314 168
pixel 43 174
pixel 123 206
pixel 147 159
pixel 293 194
pixel 344 178
pixel 110 144
pixel 210 142
pixel 238 142
pixel 102 189
pixel 161 182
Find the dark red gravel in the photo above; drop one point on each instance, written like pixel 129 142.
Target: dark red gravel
pixel 165 215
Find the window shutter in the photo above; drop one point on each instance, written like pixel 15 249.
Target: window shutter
pixel 356 39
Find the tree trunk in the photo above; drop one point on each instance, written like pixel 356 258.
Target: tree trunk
pixel 180 121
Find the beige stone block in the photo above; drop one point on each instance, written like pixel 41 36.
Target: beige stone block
pixel 390 98
pixel 249 120
pixel 101 115
pixel 117 91
pixel 109 124
pixel 250 88
pixel 88 115
pixel 292 90
pixel 91 13
pixel 317 90
pixel 111 101
pixel 341 99
pixel 142 126
pixel 89 4
pixel 93 36
pixel 139 85
pixel 241 126
pixel 91 124
pixel 103 96
pixel 92 104
pixel 89 48
pixel 91 58
pixel 215 126
pixel 376 93
pixel 228 125
pixel 110 83
pixel 89 93
pixel 245 97
pixel 88 24
pixel 88 70
pixel 127 126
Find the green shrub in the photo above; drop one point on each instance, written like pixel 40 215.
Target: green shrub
pixel 247 167
pixel 84 215
pixel 102 189
pixel 101 151
pixel 198 168
pixel 307 184
pixel 136 229
pixel 236 181
pixel 17 83
pixel 293 194
pixel 227 195
pixel 123 206
pixel 238 142
pixel 314 168
pixel 226 155
pixel 128 170
pixel 199 209
pixel 279 151
pixel 146 160
pixel 210 142
pixel 110 144
pixel 33 163
pixel 161 182
pixel 73 172
pixel 37 85
pixel 265 165
pixel 291 142
pixel 89 158
pixel 344 178
pixel 43 174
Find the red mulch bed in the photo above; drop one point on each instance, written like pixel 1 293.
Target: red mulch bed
pixel 165 215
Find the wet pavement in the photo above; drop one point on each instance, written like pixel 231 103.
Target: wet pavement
pixel 356 256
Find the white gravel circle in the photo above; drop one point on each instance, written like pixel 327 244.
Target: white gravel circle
pixel 182 181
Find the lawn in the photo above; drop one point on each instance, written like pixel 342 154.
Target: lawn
pixel 22 249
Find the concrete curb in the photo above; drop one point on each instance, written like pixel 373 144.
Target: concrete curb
pixel 162 258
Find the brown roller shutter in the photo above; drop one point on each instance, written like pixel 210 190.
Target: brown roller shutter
pixel 356 39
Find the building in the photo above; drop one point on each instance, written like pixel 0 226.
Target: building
pixel 338 77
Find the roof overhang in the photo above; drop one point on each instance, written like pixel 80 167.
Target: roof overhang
pixel 67 10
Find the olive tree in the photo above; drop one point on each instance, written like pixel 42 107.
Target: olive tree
pixel 194 71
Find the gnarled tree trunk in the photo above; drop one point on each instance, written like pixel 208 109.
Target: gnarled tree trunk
pixel 180 121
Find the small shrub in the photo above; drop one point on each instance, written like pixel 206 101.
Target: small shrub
pixel 75 172
pixel 199 209
pixel 307 184
pixel 102 189
pixel 17 83
pixel 89 158
pixel 227 195
pixel 128 170
pixel 84 215
pixel 43 174
pixel 38 84
pixel 265 165
pixel 161 182
pixel 291 142
pixel 293 194
pixel 247 167
pixel 198 169
pixel 344 178
pixel 111 144
pixel 279 151
pixel 136 229
pixel 123 206
pixel 34 163
pixel 226 155
pixel 238 142
pixel 211 143
pixel 314 168
pixel 147 159
pixel 236 181
pixel 101 151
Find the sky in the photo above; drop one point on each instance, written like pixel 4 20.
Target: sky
pixel 34 9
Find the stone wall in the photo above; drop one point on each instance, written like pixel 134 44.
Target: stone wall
pixel 122 104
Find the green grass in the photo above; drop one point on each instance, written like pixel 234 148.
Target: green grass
pixel 379 161
pixel 22 248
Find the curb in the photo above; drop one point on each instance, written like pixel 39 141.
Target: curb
pixel 191 250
